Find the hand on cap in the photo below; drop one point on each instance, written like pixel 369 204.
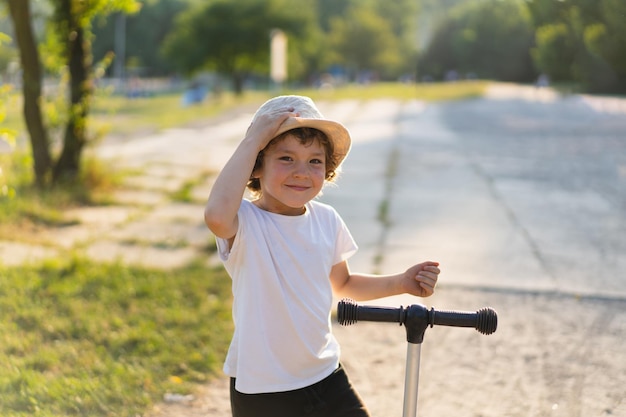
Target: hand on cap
pixel 265 126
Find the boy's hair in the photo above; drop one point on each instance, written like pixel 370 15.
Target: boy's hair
pixel 305 136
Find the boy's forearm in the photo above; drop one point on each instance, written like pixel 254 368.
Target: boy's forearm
pixel 363 287
pixel 227 191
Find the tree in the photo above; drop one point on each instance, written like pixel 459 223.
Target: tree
pixel 489 38
pixel 365 41
pixel 149 26
pixel 71 26
pixel 555 51
pixel 389 30
pixel 70 37
pixel 31 88
pixel 589 35
pixel 607 42
pixel 233 37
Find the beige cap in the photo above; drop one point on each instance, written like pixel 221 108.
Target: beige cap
pixel 311 117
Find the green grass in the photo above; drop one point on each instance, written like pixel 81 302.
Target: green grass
pixel 119 115
pixel 79 338
pixel 24 208
pixel 426 92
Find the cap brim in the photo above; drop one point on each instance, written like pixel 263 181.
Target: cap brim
pixel 335 131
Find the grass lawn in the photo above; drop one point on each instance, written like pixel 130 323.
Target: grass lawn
pixel 86 339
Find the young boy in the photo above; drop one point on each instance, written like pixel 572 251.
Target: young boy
pixel 287 254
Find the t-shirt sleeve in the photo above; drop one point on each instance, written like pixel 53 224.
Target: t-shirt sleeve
pixel 223 249
pixel 346 246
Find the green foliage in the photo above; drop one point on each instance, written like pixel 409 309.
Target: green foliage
pixel 554 52
pixel 79 338
pixel 582 41
pixel 363 40
pixel 489 38
pixel 54 49
pixel 149 26
pixel 232 37
pixel 608 39
pixel 377 36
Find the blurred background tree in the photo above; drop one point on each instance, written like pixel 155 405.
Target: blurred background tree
pixel 577 42
pixel 582 42
pixel 232 37
pixel 68 49
pixel 488 39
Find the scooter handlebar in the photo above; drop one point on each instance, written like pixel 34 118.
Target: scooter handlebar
pixel 484 320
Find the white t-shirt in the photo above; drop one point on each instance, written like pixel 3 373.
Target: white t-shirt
pixel 280 267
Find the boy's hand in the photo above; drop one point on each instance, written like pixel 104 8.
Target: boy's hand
pixel 421 279
pixel 264 127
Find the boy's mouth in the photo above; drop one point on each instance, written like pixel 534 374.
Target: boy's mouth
pixel 298 187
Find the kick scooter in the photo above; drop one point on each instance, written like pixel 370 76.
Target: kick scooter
pixel 416 318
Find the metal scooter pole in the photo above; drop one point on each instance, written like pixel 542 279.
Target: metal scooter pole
pixel 416 319
pixel 411 379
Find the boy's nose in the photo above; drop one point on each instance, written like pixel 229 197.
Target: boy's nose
pixel 301 170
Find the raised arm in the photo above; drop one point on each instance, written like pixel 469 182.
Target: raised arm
pixel 220 213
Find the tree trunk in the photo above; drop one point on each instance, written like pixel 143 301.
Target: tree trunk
pixel 31 87
pixel 75 138
pixel 238 79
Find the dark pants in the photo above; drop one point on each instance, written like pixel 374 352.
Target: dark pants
pixel 333 396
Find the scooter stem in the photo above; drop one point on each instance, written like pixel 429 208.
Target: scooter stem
pixel 411 379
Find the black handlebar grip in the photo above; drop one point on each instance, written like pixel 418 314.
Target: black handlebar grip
pixel 349 312
pixel 484 320
pixel 487 320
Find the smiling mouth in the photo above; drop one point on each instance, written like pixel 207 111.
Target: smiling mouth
pixel 298 187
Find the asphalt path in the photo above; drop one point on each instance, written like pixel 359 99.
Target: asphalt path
pixel 518 193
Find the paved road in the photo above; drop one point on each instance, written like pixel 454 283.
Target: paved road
pixel 512 193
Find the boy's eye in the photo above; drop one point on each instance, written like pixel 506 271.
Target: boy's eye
pixel 316 161
pixel 285 158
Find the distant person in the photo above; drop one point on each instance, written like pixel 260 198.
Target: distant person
pixel 286 254
pixel 543 81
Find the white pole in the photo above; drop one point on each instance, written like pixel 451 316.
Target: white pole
pixel 411 379
pixel 278 57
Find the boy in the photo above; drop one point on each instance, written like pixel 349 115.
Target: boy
pixel 287 254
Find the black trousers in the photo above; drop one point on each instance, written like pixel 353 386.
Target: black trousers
pixel 334 396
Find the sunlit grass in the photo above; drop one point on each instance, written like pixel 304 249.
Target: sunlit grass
pixel 120 115
pixel 25 209
pixel 402 91
pixel 86 339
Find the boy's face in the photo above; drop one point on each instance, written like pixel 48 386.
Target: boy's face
pixel 292 174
